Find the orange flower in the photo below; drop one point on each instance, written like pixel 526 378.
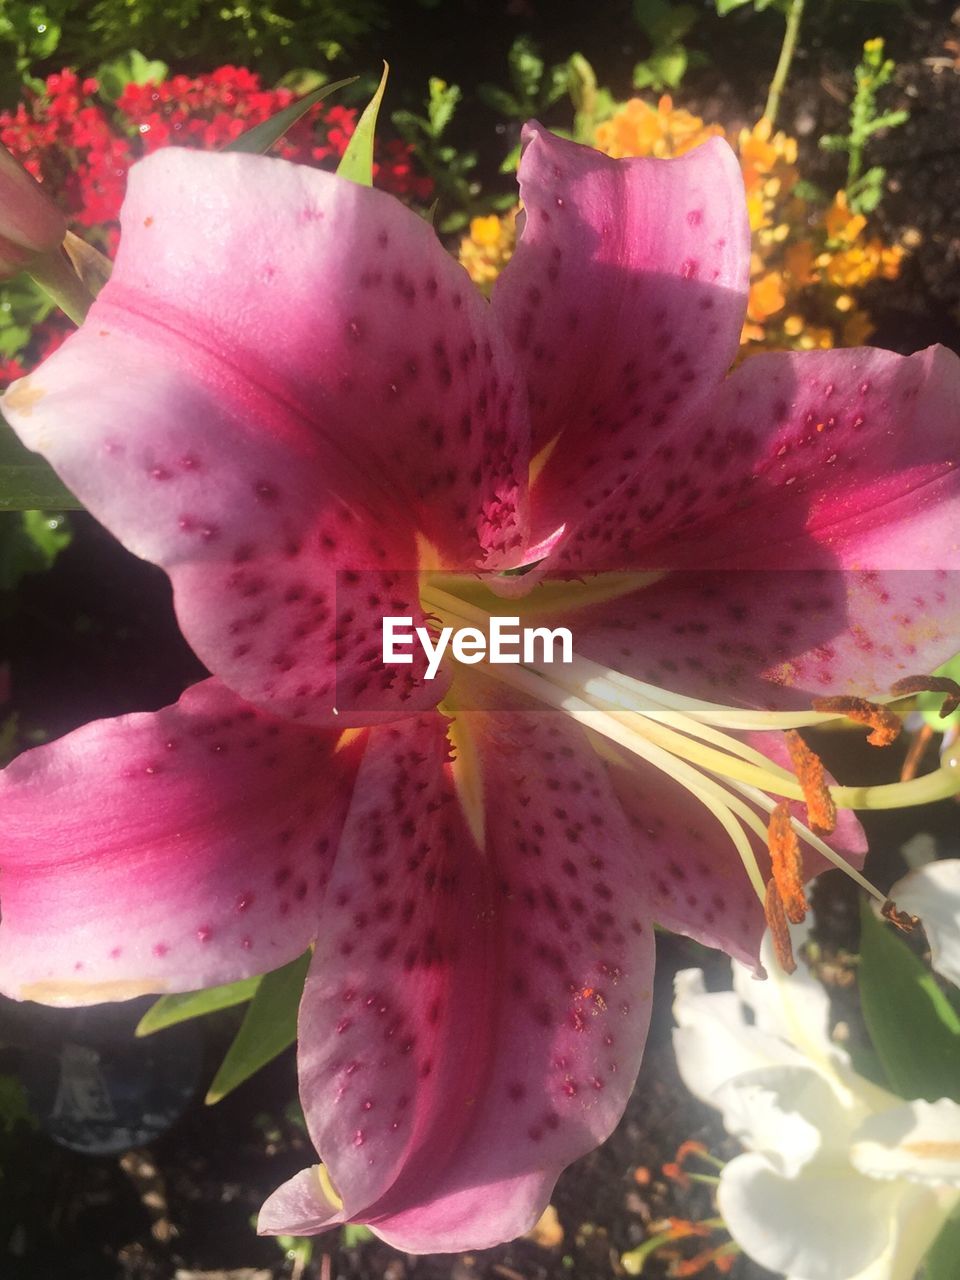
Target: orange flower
pixel 767 296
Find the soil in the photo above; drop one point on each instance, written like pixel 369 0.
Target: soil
pixel 96 637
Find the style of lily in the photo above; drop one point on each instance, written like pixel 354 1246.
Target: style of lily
pixel 840 1180
pixel 290 397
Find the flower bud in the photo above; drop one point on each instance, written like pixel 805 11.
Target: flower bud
pixel 30 223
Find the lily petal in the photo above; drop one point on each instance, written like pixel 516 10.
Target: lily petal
pixel 624 300
pixel 166 851
pixel 792 1226
pixel 695 882
pixel 776 640
pixel 933 894
pixel 713 1041
pixel 448 1088
pixel 836 459
pixel 790 1113
pixel 253 469
pixel 917 1141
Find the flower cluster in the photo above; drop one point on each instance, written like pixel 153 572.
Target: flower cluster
pixel 81 146
pixel 488 247
pixel 808 262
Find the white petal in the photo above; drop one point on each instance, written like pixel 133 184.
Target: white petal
pixel 793 1006
pixel 714 1043
pixel 830 1223
pixel 919 1219
pixel 918 1141
pixel 933 893
pixel 791 1114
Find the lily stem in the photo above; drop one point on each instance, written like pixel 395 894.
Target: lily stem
pixel 787 50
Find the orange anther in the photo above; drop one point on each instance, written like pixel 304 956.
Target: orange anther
pixel 931 684
pixel 689 1148
pixel 709 1257
pixel 884 724
pixel 681 1228
pixel 779 930
pixel 787 864
pixel 821 811
pixel 902 919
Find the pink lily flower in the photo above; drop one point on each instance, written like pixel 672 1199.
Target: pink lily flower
pixel 289 397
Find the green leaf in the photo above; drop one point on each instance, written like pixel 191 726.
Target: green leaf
pixel 501 101
pixel 526 67
pixel 356 163
pixel 914 1027
pixel 27 482
pixel 941 1262
pixel 663 70
pixel 33 546
pixel 169 1010
pixel 441 104
pixel 269 1027
pixel 261 137
pixel 129 68
pixel 727 6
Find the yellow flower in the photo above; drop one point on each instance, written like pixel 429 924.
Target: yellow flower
pixel 488 247
pixel 840 223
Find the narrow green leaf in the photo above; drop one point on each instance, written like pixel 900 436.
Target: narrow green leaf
pixel 269 1027
pixel 27 483
pixel 262 136
pixel 356 163
pixel 169 1010
pixel 941 1262
pixel 914 1027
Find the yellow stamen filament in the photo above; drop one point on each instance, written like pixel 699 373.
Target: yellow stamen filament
pixel 683 736
pixel 787 863
pixel 884 725
pixel 779 930
pixel 930 684
pixel 821 810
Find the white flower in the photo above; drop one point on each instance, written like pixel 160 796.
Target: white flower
pixel 840 1180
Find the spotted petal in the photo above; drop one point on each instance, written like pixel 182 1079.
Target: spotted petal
pixel 166 851
pixel 836 459
pixel 624 300
pixel 286 376
pixel 695 881
pixel 475 1013
pixel 748 638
